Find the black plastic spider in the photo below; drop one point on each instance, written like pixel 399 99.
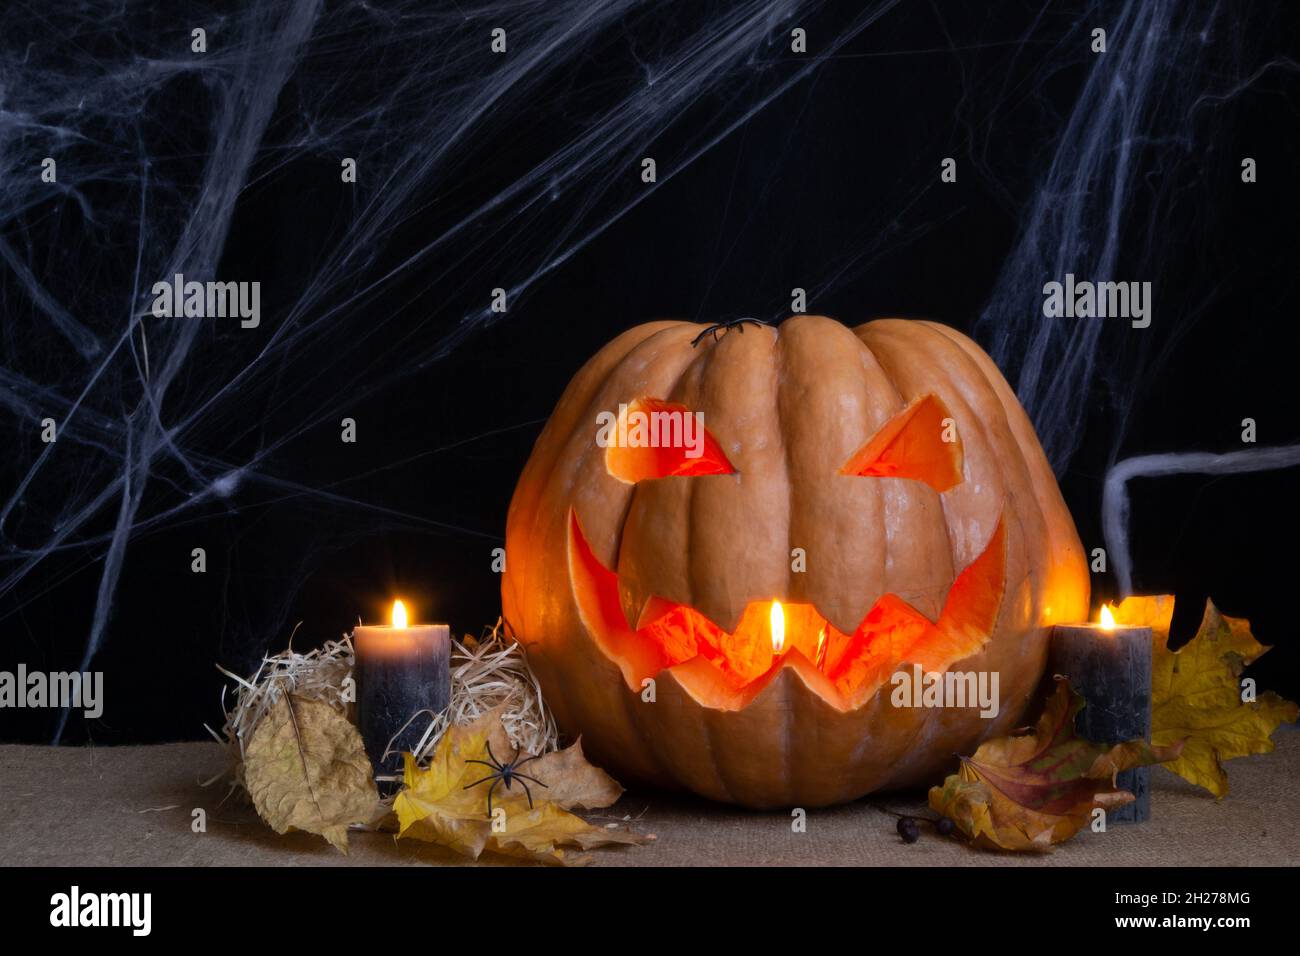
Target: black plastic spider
pixel 505 773
pixel 724 327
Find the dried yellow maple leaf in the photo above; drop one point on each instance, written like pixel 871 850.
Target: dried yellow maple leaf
pixel 444 805
pixel 1196 691
pixel 306 769
pixel 1031 791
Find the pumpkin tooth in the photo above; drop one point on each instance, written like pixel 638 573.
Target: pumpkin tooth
pixel 652 610
pixel 635 602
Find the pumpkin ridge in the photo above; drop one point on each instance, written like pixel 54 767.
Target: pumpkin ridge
pixel 704 363
pixel 957 402
pixel 1022 461
pixel 879 488
pixel 1018 462
pixel 711 729
pixel 785 731
pixel 584 423
pixel 632 705
pixel 780 360
pixel 686 359
pixel 525 506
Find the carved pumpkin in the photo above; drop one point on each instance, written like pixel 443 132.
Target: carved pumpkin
pixel 876 495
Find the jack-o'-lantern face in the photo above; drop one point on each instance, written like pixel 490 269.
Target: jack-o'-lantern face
pixel 775 524
pixel 920 443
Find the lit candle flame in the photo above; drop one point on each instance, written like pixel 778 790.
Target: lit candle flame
pixel 399 614
pixel 1107 618
pixel 778 627
pixel 821 648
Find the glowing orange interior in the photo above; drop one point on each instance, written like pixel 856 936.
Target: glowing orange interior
pixel 670 455
pixel 911 445
pixel 727 669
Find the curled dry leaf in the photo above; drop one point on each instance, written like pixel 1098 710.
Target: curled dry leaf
pixel 306 769
pixel 435 804
pixel 1196 691
pixel 1031 791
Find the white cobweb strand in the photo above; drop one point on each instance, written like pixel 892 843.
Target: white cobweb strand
pixel 485 674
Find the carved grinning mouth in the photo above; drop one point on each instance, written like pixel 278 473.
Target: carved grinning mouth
pixel 727 669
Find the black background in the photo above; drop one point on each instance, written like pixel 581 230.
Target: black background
pixel 833 186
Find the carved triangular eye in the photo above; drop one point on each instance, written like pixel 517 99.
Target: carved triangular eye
pixel 652 438
pixel 920 443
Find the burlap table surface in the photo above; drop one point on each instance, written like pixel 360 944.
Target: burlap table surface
pixel 111 806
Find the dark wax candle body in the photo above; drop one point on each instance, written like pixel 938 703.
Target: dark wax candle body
pixel 399 672
pixel 1112 670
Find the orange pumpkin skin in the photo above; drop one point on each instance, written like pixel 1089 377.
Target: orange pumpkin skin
pixel 789 406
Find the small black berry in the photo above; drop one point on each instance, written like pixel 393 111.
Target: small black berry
pixel 908 829
pixel 944 826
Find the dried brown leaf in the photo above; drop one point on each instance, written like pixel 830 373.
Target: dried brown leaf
pixel 306 769
pixel 1031 791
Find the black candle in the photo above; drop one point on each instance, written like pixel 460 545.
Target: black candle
pixel 399 672
pixel 1111 667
